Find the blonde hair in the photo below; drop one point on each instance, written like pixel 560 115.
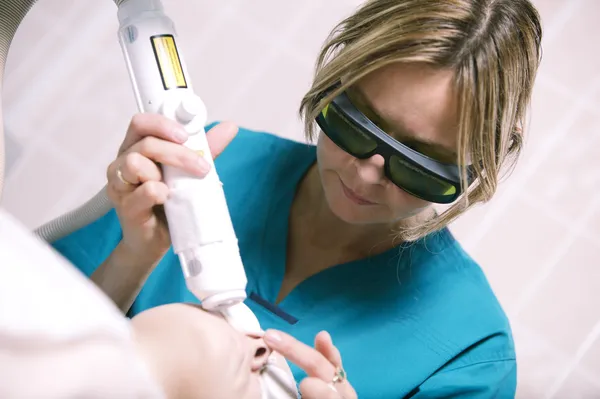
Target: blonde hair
pixel 494 47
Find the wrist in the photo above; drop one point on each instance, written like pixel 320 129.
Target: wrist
pixel 135 259
pixel 122 275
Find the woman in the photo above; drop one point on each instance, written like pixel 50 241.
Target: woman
pixel 52 346
pixel 418 102
pixel 195 354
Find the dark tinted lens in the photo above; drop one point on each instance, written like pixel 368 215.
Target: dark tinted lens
pixel 346 135
pixel 419 182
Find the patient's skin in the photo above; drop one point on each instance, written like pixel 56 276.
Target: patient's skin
pixel 220 362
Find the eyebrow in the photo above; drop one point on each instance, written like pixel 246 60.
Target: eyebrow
pixel 411 136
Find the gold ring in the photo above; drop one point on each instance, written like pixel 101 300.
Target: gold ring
pixel 340 375
pixel 123 180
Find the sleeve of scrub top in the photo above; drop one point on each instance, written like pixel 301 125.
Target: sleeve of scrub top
pixel 60 336
pixel 483 380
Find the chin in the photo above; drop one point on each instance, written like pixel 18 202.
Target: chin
pixel 352 213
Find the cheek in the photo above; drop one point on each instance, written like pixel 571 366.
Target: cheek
pixel 332 160
pixel 403 204
pixel 330 156
pixel 254 390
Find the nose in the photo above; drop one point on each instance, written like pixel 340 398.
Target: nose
pixel 260 353
pixel 371 170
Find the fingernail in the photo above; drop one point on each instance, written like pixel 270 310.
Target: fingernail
pixel 203 166
pixel 181 134
pixel 272 337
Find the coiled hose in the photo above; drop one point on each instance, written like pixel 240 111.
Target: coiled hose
pixel 12 13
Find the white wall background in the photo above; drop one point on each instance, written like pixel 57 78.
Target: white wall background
pixel 67 103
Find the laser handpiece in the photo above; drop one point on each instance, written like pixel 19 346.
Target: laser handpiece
pixel 199 222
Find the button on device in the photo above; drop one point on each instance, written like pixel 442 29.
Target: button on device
pixel 189 108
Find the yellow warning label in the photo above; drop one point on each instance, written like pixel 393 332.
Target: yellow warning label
pixel 169 64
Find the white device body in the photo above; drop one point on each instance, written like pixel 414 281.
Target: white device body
pixel 199 222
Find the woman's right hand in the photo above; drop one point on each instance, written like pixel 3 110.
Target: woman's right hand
pixel 135 184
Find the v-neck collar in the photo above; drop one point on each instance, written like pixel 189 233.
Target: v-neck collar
pixel 275 246
pixel 318 287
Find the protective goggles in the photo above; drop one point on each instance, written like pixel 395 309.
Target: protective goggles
pixel 415 173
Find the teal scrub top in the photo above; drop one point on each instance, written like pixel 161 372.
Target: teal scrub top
pixel 418 321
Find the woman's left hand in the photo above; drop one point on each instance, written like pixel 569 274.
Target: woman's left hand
pixel 323 365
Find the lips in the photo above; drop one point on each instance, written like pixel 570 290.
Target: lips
pixel 352 196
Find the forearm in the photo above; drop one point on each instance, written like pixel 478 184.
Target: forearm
pixel 122 275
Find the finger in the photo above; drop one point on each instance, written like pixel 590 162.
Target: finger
pixel 302 355
pixel 115 184
pixel 135 169
pixel 171 154
pixel 220 136
pixel 324 344
pixel 314 388
pixel 138 206
pixel 155 125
